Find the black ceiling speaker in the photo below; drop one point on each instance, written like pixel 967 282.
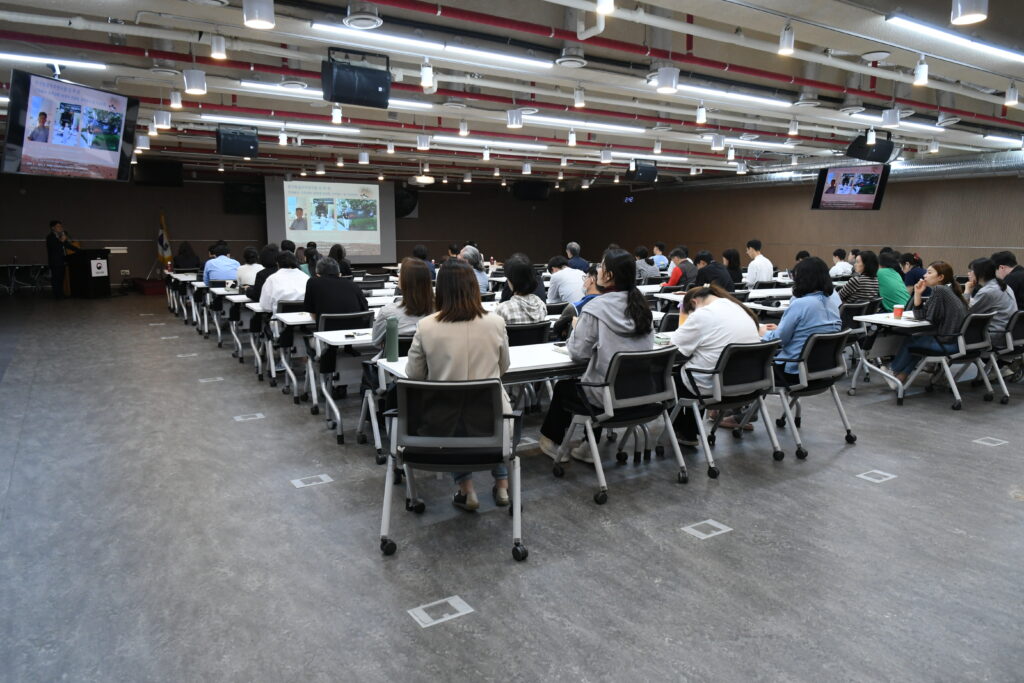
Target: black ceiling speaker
pixel 531 190
pixel 881 151
pixel 406 199
pixel 347 83
pixel 646 171
pixel 238 141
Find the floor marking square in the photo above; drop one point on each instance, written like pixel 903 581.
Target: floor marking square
pixel 156 324
pixel 173 336
pixel 876 476
pixel 187 355
pixel 707 529
pixel 145 314
pixel 311 481
pixel 990 441
pixel 440 611
pixel 205 380
pixel 249 416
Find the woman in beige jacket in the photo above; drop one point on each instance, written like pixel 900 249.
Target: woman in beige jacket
pixel 461 342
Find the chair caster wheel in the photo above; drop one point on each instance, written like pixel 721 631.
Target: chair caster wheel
pixel 387 546
pixel 601 497
pixel 682 477
pixel 737 433
pixel 851 392
pixel 796 422
pixel 801 453
pixel 341 439
pixel 305 397
pixel 331 424
pixel 711 439
pixel 1004 400
pixel 621 457
pixel 241 360
pixel 636 458
pixel 360 438
pixel 220 345
pixel 380 458
pixel 899 401
pixel 647 455
pixel 296 400
pixel 930 388
pixel 851 438
pixel 713 472
pixel 315 410
pixel 780 422
pixel 259 378
pixel 286 389
pixel 988 397
pixel 957 405
pixel 519 552
pixel 659 451
pixel 778 455
pixel 417 506
pixel 558 471
pixel 206 336
pixel 273 382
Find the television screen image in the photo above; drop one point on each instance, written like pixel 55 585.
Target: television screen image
pixel 851 187
pixel 63 129
pixel 327 212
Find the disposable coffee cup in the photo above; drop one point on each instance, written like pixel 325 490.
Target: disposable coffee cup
pixel 897 312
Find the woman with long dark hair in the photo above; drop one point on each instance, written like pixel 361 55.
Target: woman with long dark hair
pixel 945 310
pixel 644 264
pixel 416 303
pixel 731 261
pixel 863 286
pixel 268 259
pixel 337 253
pixel 187 259
pixel 618 320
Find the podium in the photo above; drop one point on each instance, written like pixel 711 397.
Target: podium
pixel 89 273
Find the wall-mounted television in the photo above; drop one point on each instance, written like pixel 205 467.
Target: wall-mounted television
pixel 851 187
pixel 57 128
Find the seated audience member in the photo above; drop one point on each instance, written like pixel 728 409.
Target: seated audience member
pixel 563 326
pixel 659 257
pixel 887 250
pixel 187 259
pixel 890 282
pixel 801 255
pixel 566 283
pixel 523 307
pixel 337 253
pixel 288 245
pixel 986 293
pixel 300 256
pixel 328 292
pixel 268 259
pixel 618 320
pixel 945 310
pixel 913 269
pixel 417 301
pixel 462 342
pixel 760 269
pixel 645 267
pixel 811 310
pixel 287 284
pixel 683 271
pixel 714 320
pixel 453 251
pixel 420 252
pixel 840 266
pixel 864 285
pixel 572 252
pixel 221 266
pixel 246 274
pixel 852 256
pixel 731 261
pixel 1012 274
pixel 710 272
pixel 471 255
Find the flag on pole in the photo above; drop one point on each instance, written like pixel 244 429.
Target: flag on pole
pixel 163 242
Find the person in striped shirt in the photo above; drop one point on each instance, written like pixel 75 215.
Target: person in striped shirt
pixel 863 286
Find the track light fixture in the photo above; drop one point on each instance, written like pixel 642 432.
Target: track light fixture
pixel 787 40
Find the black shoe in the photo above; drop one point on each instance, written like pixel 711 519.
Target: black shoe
pixel 465 502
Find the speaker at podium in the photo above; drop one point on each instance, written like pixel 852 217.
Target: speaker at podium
pixel 89 273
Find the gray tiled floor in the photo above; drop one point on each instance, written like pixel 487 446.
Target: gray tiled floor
pixel 147 536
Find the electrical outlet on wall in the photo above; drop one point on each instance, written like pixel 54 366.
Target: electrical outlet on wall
pixel 125 272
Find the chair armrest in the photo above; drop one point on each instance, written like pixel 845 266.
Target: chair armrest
pixel 593 384
pixel 786 360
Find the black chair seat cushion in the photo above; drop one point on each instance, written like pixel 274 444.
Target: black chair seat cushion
pixel 484 458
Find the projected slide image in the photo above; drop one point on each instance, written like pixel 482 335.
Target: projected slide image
pixel 328 212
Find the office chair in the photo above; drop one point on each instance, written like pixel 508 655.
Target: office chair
pixel 669 322
pixel 376 390
pixel 973 342
pixel 324 363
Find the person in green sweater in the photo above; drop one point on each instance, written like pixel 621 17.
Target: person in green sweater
pixel 890 282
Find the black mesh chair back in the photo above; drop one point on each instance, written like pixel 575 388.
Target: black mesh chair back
pixel 962 279
pixel 847 312
pixel 674 288
pixel 655 279
pixel 742 372
pixel 367 285
pixel 640 378
pixel 488 296
pixel 669 323
pixel 450 425
pixel 218 283
pixel 821 361
pixel 376 278
pixel 345 321
pixel 531 333
pixel 765 284
pixel 741 296
pixel 497 272
pixel 1015 332
pixel 290 307
pixel 358 273
pixel 974 338
pixel 404 342
pixel 557 309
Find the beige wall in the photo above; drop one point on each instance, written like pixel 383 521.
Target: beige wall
pixel 955 220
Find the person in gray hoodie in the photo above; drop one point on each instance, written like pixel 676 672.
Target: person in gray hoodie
pixel 618 320
pixel 986 293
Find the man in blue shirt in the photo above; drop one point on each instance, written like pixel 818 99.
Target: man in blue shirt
pixel 659 257
pixel 572 252
pixel 221 266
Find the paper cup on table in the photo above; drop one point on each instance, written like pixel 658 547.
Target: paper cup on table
pixel 897 312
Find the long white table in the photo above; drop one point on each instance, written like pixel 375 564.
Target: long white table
pixel 528 363
pixel 903 326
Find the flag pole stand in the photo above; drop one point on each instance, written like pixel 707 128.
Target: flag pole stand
pixel 158 264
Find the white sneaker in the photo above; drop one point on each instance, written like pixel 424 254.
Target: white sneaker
pixel 582 452
pixel 550 449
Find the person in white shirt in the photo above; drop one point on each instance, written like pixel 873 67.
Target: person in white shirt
pixel 760 268
pixel 246 274
pixel 287 284
pixel 566 284
pixel 840 266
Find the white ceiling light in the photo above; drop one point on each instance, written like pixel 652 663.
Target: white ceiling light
pixel 955 38
pixel 162 119
pixel 702 114
pixel 527 169
pixel 497 172
pixel 584 125
pixel 423 179
pixel 296 89
pixel 362 16
pixel 195 81
pixel 303 173
pixel 605 6
pixel 391 148
pixel 364 158
pixel 632 164
pixel 872 136
pixel 422 142
pixel 444 180
pixel 891 118
pixel 340 162
pixel 486 154
pixel 736 96
pixel 563 161
pixel 616 178
pixel 657 147
pixel 141 141
pixel 175 99
pixel 921 72
pixel 482 142
pixel 717 143
pixel 561 175
pixel 380 176
pixel 336 114
pixel 258 14
pixel 220 167
pixel 966 12
pixel 667 80
pixel 426 75
pixel 606 156
pixel 794 160
pixel 694 170
pixel 578 98
pixel 408 104
pixel 467 177
pixel 153 130
pixel 218 47
pixel 731 154
pixel 426 167
pixel 514 118
pixel 903 124
pixel 288 125
pixel 320 170
pixel 503 182
pixel 933 147
pixel 585 184
pixel 787 40
pixel 662 158
pixel 33 59
pixel 282 139
pixel 463 128
pixel 741 168
pixel 571 138
pixel 499 56
pixel 794 127
pixel 1012 95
